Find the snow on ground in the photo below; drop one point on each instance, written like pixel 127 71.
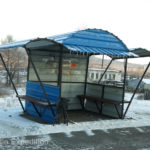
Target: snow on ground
pixel 13 125
pixel 11 101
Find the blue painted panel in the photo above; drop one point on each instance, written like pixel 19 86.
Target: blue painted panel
pixel 98 50
pixel 97 31
pixel 45 112
pixel 15 44
pixel 94 43
pixel 96 36
pixel 34 89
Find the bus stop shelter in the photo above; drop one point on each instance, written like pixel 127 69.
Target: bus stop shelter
pixel 58 70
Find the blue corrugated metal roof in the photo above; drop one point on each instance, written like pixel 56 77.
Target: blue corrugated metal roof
pixel 93 41
pixel 14 44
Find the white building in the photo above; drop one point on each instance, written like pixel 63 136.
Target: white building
pixel 94 75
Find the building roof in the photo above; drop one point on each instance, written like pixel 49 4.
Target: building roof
pixel 144 81
pixel 147 81
pixel 92 41
pixel 141 52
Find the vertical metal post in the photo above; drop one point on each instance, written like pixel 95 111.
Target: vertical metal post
pixel 86 74
pixel 44 91
pixel 105 71
pixel 60 68
pixel 136 89
pixel 28 68
pixel 102 96
pixel 59 84
pixel 124 86
pixel 103 61
pixel 11 81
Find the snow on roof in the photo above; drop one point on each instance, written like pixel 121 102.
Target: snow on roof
pixel 147 81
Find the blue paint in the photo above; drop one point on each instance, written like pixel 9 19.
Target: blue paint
pixel 33 89
pixel 93 41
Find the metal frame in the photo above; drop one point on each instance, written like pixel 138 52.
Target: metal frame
pixel 61 54
pixel 117 111
pixel 100 109
pixel 59 81
pixel 28 69
pixel 124 86
pixel 102 61
pixel 56 81
pixel 36 109
pixel 60 68
pixel 86 74
pixel 65 114
pixel 58 84
pixel 105 71
pixel 136 89
pixel 44 91
pixel 122 115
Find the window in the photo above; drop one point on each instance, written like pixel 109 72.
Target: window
pixel 114 76
pixel 109 76
pixel 105 76
pixel 47 66
pixel 73 69
pixel 96 75
pixel 92 75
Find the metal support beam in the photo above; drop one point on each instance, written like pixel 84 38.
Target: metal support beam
pixel 36 109
pixel 97 106
pixel 86 75
pixel 124 86
pixel 117 111
pixel 136 89
pixel 44 91
pixel 105 71
pixel 103 61
pixel 28 69
pixel 60 68
pixel 11 81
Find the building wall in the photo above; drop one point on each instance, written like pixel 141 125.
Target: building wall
pixel 147 87
pixel 110 75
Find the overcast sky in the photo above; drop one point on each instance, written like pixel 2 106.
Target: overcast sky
pixel 128 19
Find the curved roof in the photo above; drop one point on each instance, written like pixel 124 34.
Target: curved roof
pixel 93 41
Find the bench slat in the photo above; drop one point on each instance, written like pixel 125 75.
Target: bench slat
pixel 91 98
pixel 34 100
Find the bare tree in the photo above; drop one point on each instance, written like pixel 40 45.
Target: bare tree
pixel 14 59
